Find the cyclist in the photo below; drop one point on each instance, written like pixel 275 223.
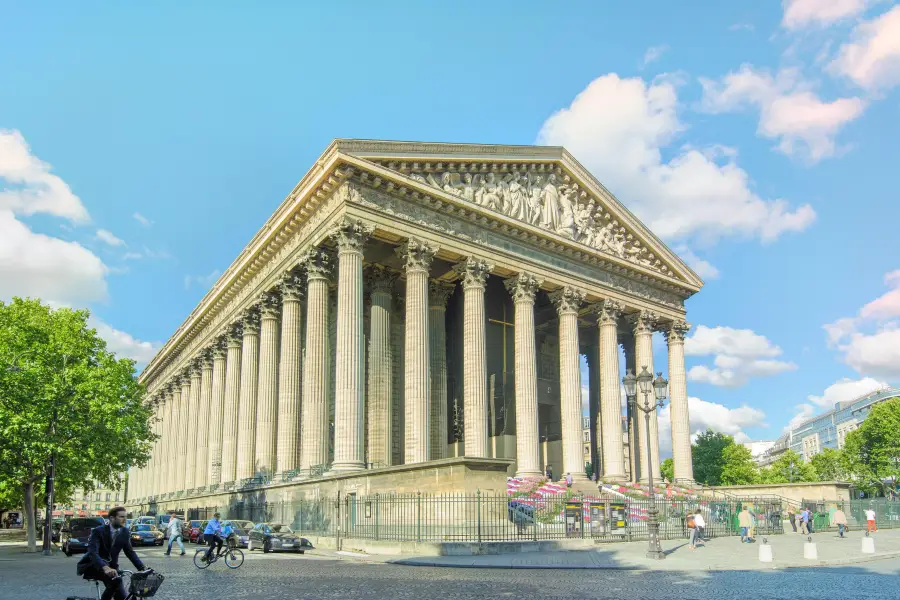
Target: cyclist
pixel 228 534
pixel 211 535
pixel 102 559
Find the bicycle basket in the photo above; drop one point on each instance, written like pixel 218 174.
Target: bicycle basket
pixel 144 586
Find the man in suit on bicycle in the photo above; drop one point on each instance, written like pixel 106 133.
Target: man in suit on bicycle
pixel 101 561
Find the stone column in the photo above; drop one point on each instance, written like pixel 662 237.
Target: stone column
pixel 246 445
pixel 349 402
pixel 417 377
pixel 438 293
pixel 160 448
pixel 314 413
pixel 678 409
pixel 184 418
pixel 608 313
pixel 595 425
pixel 567 301
pixel 234 337
pixel 267 403
pixel 523 288
pixel 474 273
pixel 635 422
pixel 194 418
pixel 216 412
pixel 170 451
pixel 289 379
pixel 644 322
pixel 204 422
pixel 380 406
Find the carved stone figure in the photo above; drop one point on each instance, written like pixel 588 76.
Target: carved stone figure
pixel 566 226
pixel 516 202
pixel 491 197
pixel 468 188
pixel 550 196
pixel 534 200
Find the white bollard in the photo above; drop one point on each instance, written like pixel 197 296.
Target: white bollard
pixel 765 551
pixel 810 552
pixel 868 545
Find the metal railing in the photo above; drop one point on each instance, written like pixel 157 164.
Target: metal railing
pixel 887 513
pixel 485 518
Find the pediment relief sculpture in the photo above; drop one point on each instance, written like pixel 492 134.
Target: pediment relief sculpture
pixel 541 195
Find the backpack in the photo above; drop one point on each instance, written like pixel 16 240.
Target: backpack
pixel 690 522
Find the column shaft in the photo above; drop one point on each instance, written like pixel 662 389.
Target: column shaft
pixel 231 409
pixel 202 423
pixel 528 458
pixel 678 410
pixel 380 405
pixel 437 329
pixel 246 454
pixel 568 301
pixel 289 379
pixel 171 438
pixel 159 447
pixel 267 407
pixel 644 322
pixel 610 399
pixel 314 414
pixel 184 419
pixel 216 413
pixel 417 379
pixel 195 418
pixel 474 273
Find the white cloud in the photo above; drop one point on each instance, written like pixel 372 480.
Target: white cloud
pixel 742 27
pixel 124 344
pixel 806 412
pixel 710 415
pixel 654 53
pixel 872 58
pixel 619 129
pixel 132 256
pixel 846 389
pixel 739 355
pixel 34 264
pixel 107 237
pixel 142 219
pixel 804 125
pixel 822 13
pixel 705 269
pixel 870 341
pixel 201 280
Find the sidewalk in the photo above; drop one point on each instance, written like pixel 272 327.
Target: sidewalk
pixel 721 554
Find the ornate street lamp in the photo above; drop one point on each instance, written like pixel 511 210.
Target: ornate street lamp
pixel 645 384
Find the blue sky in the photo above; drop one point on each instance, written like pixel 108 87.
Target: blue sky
pixel 143 145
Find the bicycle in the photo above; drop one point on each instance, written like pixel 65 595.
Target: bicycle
pixel 234 557
pixel 142 584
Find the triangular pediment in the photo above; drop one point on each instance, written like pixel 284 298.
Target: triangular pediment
pixel 542 186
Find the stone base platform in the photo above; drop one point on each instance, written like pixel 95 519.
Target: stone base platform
pixel 461 475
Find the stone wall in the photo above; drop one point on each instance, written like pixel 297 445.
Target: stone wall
pixel 826 490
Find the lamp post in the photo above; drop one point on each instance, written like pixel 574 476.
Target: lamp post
pixel 645 384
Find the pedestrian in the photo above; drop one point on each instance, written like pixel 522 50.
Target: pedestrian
pixel 700 525
pixel 692 530
pixel 811 525
pixel 839 519
pixel 792 517
pixel 871 525
pixel 745 522
pixel 549 473
pixel 804 522
pixel 568 480
pixel 173 530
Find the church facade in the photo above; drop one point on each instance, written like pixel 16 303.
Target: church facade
pixel 422 316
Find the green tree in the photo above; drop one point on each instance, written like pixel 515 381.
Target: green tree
pixel 829 465
pixel 667 469
pixel 789 467
pixel 63 394
pixel 707 454
pixel 872 451
pixel 738 467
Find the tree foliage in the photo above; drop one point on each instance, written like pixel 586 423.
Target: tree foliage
pixel 738 467
pixel 708 456
pixel 872 451
pixel 829 465
pixel 667 469
pixel 62 393
pixel 787 468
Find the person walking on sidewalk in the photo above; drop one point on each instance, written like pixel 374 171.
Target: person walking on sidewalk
pixel 173 530
pixel 792 517
pixel 700 525
pixel 804 522
pixel 745 522
pixel 568 480
pixel 871 525
pixel 839 519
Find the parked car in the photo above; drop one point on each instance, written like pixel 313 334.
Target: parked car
pixel 274 537
pixel 146 535
pixel 74 535
pixel 191 530
pixel 242 530
pixel 55 529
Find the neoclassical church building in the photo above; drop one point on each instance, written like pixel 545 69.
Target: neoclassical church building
pixel 416 316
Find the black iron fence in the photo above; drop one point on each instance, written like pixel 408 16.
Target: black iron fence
pixel 485 518
pixel 887 513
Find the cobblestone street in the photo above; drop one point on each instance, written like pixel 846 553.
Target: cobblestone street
pixel 29 577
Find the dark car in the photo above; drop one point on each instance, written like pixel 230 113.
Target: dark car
pixel 146 535
pixel 74 535
pixel 192 531
pixel 274 537
pixel 242 531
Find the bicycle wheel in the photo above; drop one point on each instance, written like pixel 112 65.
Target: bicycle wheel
pixel 200 559
pixel 234 558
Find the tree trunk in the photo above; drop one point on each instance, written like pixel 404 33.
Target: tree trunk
pixel 29 516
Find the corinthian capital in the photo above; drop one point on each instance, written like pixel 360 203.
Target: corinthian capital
pixel 317 263
pixel 270 305
pixel 379 280
pixel 351 234
pixel 417 255
pixel 234 334
pixel 643 321
pixel 439 292
pixel 291 287
pixel 676 331
pixel 523 287
pixel 250 320
pixel 608 311
pixel 567 300
pixel 474 272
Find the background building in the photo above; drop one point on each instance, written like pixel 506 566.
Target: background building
pixel 759 448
